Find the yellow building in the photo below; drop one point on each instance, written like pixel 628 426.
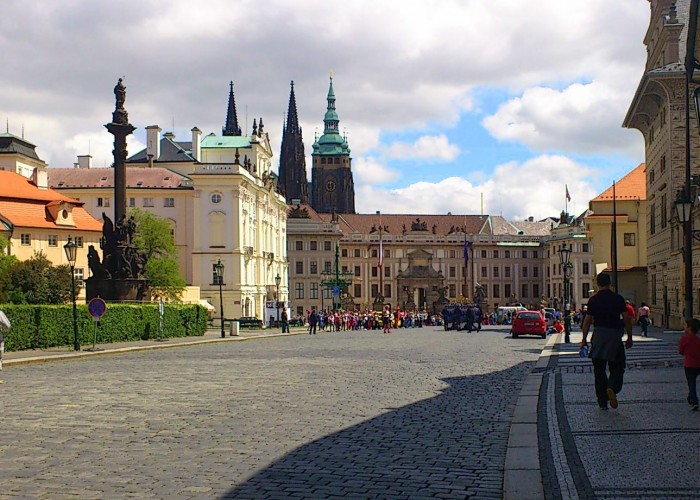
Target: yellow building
pixel 628 206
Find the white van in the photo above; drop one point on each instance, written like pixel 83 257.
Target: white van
pixel 502 312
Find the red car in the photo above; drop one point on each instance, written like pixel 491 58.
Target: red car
pixel 529 323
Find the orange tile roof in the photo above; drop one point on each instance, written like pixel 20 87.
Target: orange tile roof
pixel 22 204
pixel 632 186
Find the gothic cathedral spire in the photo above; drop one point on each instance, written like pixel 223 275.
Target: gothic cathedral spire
pixel 333 188
pixel 231 127
pixel 292 181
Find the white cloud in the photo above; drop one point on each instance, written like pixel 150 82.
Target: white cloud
pixel 367 170
pixel 582 118
pixel 517 190
pixel 436 147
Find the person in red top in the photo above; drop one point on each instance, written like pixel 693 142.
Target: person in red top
pixel 689 347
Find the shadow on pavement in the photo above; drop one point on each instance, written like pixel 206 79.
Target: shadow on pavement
pixel 452 445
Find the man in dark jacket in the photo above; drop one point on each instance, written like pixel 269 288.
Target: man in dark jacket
pixel 313 321
pixel 608 314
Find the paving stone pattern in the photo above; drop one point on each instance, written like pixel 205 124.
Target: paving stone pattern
pixel 417 413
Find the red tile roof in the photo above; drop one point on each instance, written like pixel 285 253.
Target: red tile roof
pixel 23 204
pixel 136 177
pixel 632 186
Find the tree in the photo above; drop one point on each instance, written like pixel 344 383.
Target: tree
pixel 37 281
pixel 6 262
pixel 154 237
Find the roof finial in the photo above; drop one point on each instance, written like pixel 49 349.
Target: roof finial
pixel 231 127
pixel 7 124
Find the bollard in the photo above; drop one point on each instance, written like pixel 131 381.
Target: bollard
pixel 234 329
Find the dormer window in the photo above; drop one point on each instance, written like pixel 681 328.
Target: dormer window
pixel 139 184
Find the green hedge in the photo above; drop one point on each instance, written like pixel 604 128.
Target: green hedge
pixel 39 327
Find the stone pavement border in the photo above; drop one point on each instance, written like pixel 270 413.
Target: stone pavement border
pixel 15 358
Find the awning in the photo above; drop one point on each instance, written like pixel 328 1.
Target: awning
pixel 206 304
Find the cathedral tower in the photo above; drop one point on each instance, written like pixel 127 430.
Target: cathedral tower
pixel 231 127
pixel 292 181
pixel 332 187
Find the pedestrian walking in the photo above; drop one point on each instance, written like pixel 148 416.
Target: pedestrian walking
pixel 689 347
pixel 644 318
pixel 5 326
pixel 285 321
pixel 386 319
pixel 313 321
pixel 608 314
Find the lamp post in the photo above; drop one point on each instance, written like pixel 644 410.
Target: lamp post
pixel 71 249
pixel 277 296
pixel 567 268
pixel 219 274
pixel 336 279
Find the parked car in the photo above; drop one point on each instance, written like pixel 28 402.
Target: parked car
pixel 529 323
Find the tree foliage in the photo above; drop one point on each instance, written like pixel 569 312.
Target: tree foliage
pixel 37 281
pixel 154 237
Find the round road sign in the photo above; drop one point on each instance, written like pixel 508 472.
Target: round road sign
pixel 97 307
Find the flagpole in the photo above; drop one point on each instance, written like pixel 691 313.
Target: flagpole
pixel 381 259
pixel 466 258
pixel 614 239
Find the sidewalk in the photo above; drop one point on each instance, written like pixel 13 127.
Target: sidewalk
pixel 66 352
pixel 562 446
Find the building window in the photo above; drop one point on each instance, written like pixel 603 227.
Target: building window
pixel 652 218
pixel 524 293
pixel 629 239
pixel 535 290
pixel 507 290
pixel 313 246
pixel 313 290
pixel 664 213
pixel 453 272
pixel 375 290
pixel 495 254
pixel 387 291
pixel 148 202
pixel 387 272
pixel 662 165
pixel 132 202
pixel 585 288
pixel 357 270
pixel 586 268
pixel 506 254
pixel 483 254
pixel 535 272
pixel 496 291
pixel 344 252
pixel 79 274
pixel 327 266
pixel 358 290
pixel 299 245
pixel 169 202
pixel 524 254
pixel 357 252
pixel 215 198
pixel 313 267
pixel 584 247
pixel 375 253
pixel 535 254
pixel 299 291
pixel 453 254
pixel 495 272
pixel 299 267
pixel 78 241
pixel 653 289
pixel 374 272
pixel 524 271
pixel 327 246
pixel 25 239
pixel 506 271
pixel 453 291
pixel 484 272
pixel 53 240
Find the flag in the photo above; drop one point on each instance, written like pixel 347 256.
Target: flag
pixel 568 196
pixel 466 254
pixel 381 254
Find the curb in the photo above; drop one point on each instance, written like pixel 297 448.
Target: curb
pixel 522 476
pixel 122 350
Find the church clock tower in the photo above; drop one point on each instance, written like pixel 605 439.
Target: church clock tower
pixel 292 182
pixel 332 186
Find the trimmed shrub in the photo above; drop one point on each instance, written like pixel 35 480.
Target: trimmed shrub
pixel 43 326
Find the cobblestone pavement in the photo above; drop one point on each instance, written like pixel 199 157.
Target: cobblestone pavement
pixel 417 413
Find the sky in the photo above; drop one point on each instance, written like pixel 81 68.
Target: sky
pixel 461 106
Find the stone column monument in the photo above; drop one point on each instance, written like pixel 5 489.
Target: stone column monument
pixel 121 275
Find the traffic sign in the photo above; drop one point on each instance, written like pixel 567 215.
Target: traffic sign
pixel 97 307
pixel 336 291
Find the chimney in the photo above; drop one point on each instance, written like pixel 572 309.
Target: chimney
pixel 196 144
pixel 84 161
pixel 40 177
pixel 531 219
pixel 153 141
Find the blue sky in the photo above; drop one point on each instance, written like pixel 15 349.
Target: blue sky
pixel 443 100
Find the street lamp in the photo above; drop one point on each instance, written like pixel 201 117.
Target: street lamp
pixel 277 296
pixel 219 274
pixel 71 249
pixel 567 268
